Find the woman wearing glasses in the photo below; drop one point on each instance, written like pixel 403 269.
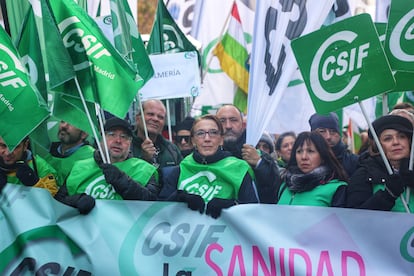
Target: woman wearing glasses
pixel 209 179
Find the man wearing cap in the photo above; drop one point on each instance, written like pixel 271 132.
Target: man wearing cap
pixel 123 177
pixel 372 186
pixel 72 146
pixel 183 136
pixel 155 149
pixel 328 127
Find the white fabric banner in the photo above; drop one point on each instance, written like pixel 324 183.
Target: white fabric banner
pixel 273 62
pixel 183 13
pixel 209 23
pixel 40 236
pixel 176 75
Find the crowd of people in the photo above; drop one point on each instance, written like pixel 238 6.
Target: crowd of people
pixel 210 167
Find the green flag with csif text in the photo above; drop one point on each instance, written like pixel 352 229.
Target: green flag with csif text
pixel 104 76
pixel 343 63
pixel 22 108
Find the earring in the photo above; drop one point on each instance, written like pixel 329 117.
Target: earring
pixel 221 147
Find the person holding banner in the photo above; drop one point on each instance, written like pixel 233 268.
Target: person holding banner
pixel 154 149
pixel 372 186
pixel 314 177
pixel 264 166
pixel 209 179
pixel 123 177
pixel 21 167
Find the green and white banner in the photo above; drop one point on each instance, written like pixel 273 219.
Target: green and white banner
pixel 40 236
pixel 343 63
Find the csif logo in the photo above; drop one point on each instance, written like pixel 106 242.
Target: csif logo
pixel 402 38
pixel 9 70
pixel 330 64
pixel 78 42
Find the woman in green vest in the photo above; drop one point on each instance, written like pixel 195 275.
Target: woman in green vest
pixel 209 179
pixel 314 177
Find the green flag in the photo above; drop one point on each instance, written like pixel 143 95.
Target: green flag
pixel 16 12
pixel 343 63
pixel 166 36
pixel 22 108
pixel 104 76
pixel 128 40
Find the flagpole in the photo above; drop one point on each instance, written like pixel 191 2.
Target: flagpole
pixel 95 135
pixel 169 120
pixel 101 126
pixel 380 149
pixel 218 41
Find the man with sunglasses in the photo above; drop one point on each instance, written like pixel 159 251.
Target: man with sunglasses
pixel 120 177
pixel 183 136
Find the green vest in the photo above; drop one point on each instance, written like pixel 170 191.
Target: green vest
pixel 87 177
pixel 63 165
pixel 220 179
pixel 319 196
pixel 399 206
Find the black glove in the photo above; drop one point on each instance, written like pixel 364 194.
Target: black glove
pixel 394 185
pixel 215 206
pixel 112 174
pixel 3 180
pixel 83 202
pixel 25 174
pixel 194 202
pixel 406 175
pixel 98 158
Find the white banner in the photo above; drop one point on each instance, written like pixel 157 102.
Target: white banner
pixel 209 24
pixel 176 75
pixel 40 236
pixel 273 63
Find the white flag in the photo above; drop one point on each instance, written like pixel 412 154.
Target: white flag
pixel 273 63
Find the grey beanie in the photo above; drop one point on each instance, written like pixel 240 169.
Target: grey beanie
pixel 329 121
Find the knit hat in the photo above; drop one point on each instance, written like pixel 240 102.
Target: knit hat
pixel 329 121
pixel 396 122
pixel 116 122
pixel 266 138
pixel 185 124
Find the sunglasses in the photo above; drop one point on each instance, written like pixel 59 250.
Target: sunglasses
pixel 179 138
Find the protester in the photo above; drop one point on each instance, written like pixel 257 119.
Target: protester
pixel 328 127
pixel 404 113
pixel 123 178
pixel 209 175
pixel 314 177
pixel 404 106
pixel 266 144
pixel 265 169
pixel 284 145
pixel 155 149
pixel 371 186
pixel 72 146
pixel 183 136
pixel 21 167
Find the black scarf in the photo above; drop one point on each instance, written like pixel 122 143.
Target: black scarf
pixel 298 182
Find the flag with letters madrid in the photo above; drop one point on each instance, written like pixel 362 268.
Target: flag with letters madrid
pixel 104 76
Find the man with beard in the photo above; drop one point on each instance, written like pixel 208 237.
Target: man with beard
pixel 155 149
pixel 72 146
pixel 265 169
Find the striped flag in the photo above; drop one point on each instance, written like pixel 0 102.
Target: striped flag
pixel 232 52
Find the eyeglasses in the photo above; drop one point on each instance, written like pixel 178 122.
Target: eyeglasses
pixel 202 133
pixel 124 137
pixel 179 138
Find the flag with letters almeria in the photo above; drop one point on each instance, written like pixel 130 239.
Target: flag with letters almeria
pixel 104 76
